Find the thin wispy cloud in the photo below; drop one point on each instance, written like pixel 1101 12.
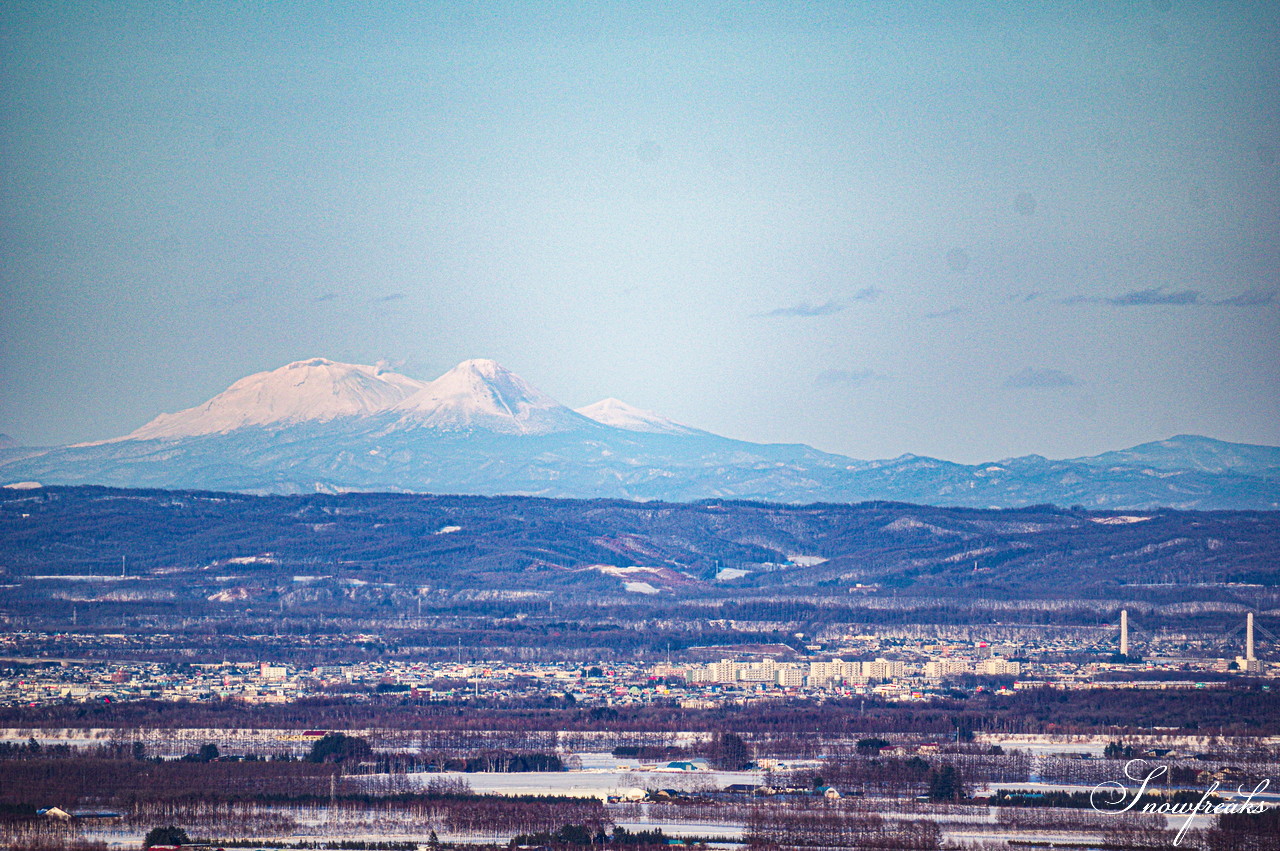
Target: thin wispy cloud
pixel 389 297
pixel 1155 296
pixel 1039 379
pixel 942 314
pixel 805 309
pixel 1250 298
pixel 1163 296
pixel 323 297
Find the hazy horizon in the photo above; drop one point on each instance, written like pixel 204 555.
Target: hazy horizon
pixel 970 233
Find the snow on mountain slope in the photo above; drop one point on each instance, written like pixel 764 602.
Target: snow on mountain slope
pixel 482 394
pixel 616 413
pixel 316 390
pixel 1189 451
pixel 317 425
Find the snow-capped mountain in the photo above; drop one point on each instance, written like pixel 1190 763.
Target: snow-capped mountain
pixel 318 425
pixel 616 413
pixel 482 394
pixel 316 390
pixel 475 394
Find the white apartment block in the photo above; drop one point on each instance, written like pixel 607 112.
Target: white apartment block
pixel 835 671
pixel 1000 668
pixel 790 676
pixel 884 669
pixel 267 671
pixel 939 668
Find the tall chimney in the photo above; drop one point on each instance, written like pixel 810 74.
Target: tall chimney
pixel 1124 632
pixel 1248 638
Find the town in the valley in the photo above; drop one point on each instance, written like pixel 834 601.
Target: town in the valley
pixel 865 665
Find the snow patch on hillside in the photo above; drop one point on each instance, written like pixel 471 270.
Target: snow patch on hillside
pixel 618 414
pixel 231 595
pixel 1119 520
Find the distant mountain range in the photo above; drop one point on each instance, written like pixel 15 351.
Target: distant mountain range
pixel 322 426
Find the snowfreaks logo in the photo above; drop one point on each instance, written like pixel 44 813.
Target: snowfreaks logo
pixel 1112 796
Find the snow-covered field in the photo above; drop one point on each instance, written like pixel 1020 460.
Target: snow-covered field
pixel 600 775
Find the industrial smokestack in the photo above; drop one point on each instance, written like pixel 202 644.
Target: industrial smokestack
pixel 1248 638
pixel 1124 632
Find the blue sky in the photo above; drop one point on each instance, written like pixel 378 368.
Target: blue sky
pixel 964 230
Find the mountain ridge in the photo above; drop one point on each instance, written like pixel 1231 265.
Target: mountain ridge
pixel 505 544
pixel 322 426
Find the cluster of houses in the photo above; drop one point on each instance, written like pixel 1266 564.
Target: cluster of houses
pixel 916 671
pixel 834 672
